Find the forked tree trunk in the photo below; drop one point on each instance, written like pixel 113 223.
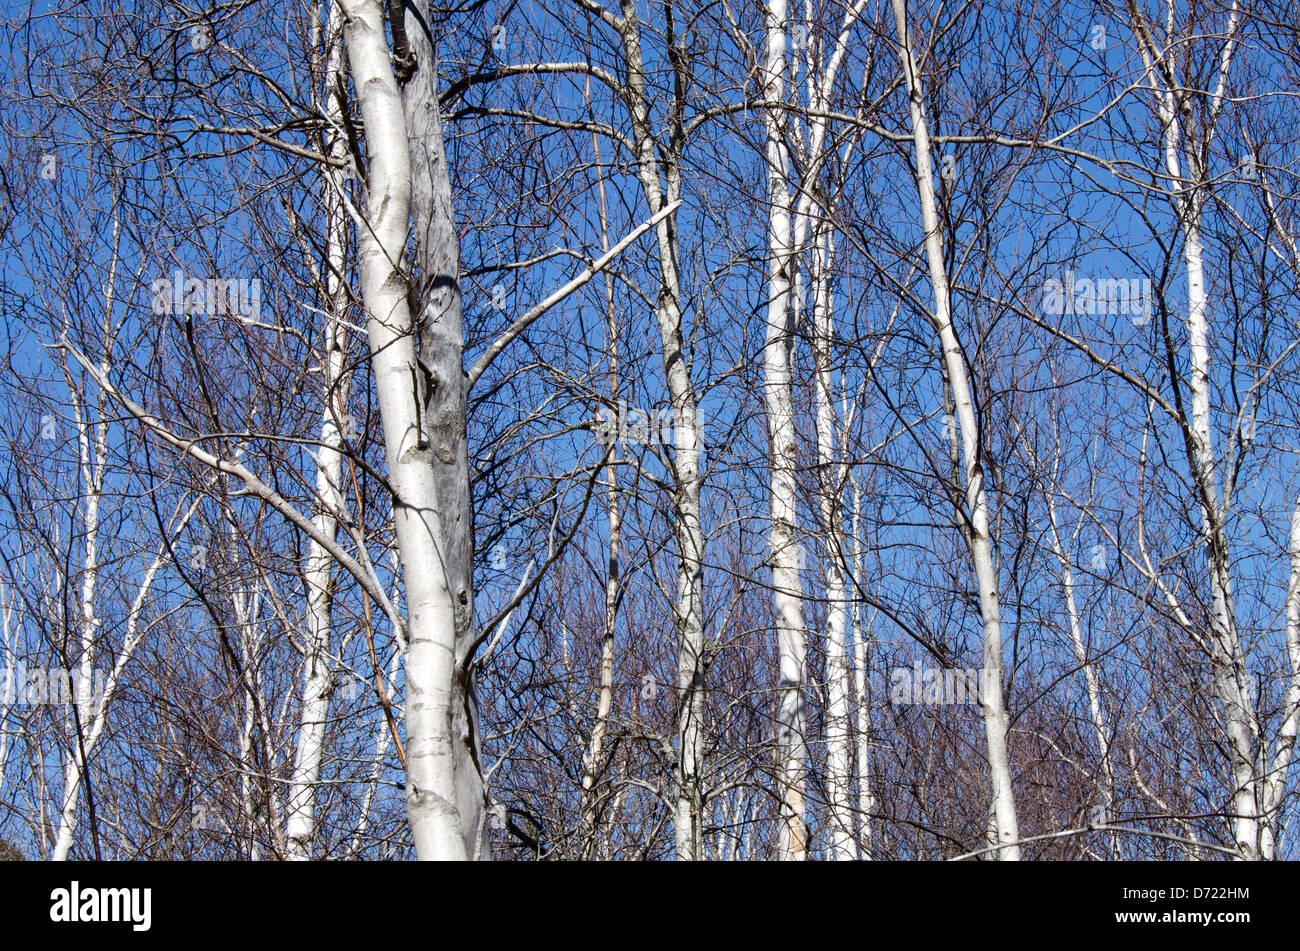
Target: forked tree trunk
pixel 1189 177
pixel 420 386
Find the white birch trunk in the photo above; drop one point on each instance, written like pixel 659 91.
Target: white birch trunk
pixel 8 661
pixel 91 445
pixel 1091 682
pixel 861 634
pixel 442 412
pixel 975 515
pixel 605 698
pixel 318 672
pixel 1229 671
pixel 787 585
pixel 688 810
pixel 830 481
pixel 1229 674
pixel 438 602
pixel 1275 785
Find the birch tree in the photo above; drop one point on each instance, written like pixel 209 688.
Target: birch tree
pixel 318 667
pixel 964 434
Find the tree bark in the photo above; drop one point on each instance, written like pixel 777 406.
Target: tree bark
pixel 420 386
pixel 688 810
pixel 318 669
pixel 829 483
pixel 974 515
pixel 778 399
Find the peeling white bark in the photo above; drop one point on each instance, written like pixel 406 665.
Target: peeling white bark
pixel 438 602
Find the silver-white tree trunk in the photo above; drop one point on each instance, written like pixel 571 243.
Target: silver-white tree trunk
pixel 1228 664
pixel 688 808
pixel 778 400
pixel 318 669
pixel 861 636
pixel 829 488
pixel 1189 175
pixel 605 697
pixel 419 382
pixel 1275 785
pixel 1091 682
pixel 976 518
